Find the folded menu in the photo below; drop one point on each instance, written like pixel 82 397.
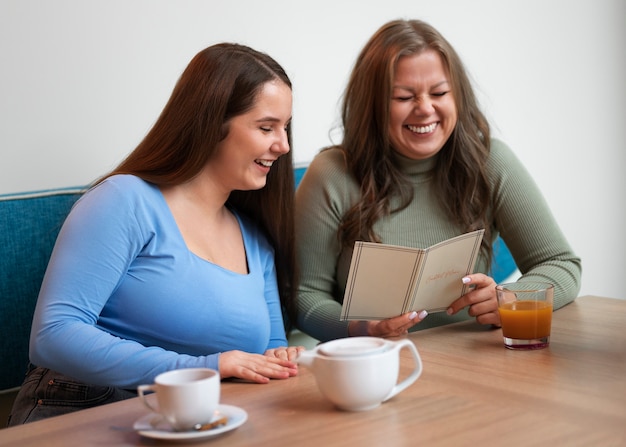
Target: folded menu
pixel 388 280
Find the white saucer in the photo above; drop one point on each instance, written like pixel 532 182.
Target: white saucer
pixel 154 426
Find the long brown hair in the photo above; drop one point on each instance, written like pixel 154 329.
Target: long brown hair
pixel 221 82
pixel 460 177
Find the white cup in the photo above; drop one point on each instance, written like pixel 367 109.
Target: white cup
pixel 186 397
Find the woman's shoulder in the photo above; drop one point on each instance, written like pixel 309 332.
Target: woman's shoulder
pixel 329 160
pixel 327 178
pixel 329 171
pixel 127 182
pixel 126 186
pixel 500 151
pixel 122 192
pixel 505 168
pixel 329 168
pixel 124 204
pixel 501 157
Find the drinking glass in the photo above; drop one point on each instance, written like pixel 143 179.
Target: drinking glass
pixel 525 314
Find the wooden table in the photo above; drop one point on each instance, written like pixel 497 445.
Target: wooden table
pixel 473 391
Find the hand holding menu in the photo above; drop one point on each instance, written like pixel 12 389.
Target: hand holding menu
pixel 388 280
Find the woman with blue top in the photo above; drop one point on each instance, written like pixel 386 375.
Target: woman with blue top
pixel 182 256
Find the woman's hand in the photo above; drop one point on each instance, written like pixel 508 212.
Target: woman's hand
pixel 481 301
pixel 285 352
pixel 391 327
pixel 255 367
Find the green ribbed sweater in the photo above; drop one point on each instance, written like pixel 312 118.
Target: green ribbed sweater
pixel 520 215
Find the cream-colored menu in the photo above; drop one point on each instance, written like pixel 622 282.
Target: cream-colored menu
pixel 388 280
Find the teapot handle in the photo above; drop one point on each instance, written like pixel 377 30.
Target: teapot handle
pixel 417 371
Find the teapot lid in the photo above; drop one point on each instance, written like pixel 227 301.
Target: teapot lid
pixel 353 346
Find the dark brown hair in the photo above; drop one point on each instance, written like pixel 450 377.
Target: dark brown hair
pixel 460 178
pixel 221 82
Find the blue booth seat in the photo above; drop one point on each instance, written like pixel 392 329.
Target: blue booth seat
pixel 29 225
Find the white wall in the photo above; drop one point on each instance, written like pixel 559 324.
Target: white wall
pixel 82 81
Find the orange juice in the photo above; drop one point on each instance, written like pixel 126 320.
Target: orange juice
pixel 526 320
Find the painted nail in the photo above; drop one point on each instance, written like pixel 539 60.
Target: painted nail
pixel 466 280
pixel 423 314
pixel 412 315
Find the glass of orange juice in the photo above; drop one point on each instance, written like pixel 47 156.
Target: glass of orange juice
pixel 525 314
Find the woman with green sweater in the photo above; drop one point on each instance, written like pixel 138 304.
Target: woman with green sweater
pixel 417 166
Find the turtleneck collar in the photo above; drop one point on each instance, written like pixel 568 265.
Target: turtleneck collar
pixel 415 168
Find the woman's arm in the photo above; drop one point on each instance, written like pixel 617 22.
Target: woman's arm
pixel 321 201
pixel 527 225
pixel 95 247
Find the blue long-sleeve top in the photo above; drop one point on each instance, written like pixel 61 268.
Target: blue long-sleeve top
pixel 123 298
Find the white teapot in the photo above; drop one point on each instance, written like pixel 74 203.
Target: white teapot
pixel 359 373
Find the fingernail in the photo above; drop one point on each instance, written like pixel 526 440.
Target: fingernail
pixel 449 311
pixel 423 314
pixel 466 280
pixel 412 315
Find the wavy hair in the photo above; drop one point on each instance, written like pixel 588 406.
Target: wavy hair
pixel 460 177
pixel 220 83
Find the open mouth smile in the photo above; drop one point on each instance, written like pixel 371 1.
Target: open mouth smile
pixel 422 129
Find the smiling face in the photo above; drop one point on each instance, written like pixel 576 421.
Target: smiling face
pixel 255 140
pixel 423 112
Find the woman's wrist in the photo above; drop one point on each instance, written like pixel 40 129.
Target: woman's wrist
pixel 358 328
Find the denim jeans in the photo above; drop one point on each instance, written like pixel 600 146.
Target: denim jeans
pixel 47 393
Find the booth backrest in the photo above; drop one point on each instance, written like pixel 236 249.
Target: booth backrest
pixel 29 224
